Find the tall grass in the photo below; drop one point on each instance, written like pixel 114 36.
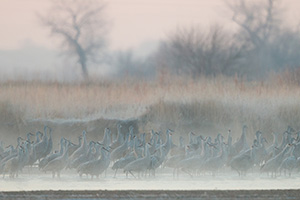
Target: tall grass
pixel 205 105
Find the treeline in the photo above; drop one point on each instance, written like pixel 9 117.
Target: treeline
pixel 262 43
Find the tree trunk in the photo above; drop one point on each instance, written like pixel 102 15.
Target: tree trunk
pixel 82 60
pixel 85 73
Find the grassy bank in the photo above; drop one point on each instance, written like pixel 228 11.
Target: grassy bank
pixel 204 106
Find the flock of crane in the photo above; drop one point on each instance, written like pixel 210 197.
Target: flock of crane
pixel 140 155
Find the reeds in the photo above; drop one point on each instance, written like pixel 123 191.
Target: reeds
pixel 214 104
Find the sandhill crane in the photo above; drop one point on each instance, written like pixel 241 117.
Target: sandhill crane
pixel 51 157
pixel 288 164
pixel 167 145
pixel 243 162
pixel 296 150
pixel 273 164
pixel 32 156
pixel 107 138
pixel 28 135
pixel 5 151
pixel 95 167
pixel 41 147
pixel 138 149
pixel 153 142
pixel 191 137
pixel 260 152
pixel 13 151
pixel 1 148
pixel 120 138
pixel 24 158
pixel 194 162
pixel 139 165
pixel 286 137
pixel 179 150
pixel 217 145
pixel 49 143
pixel 31 150
pixel 173 161
pixel 38 136
pixel 215 163
pixel 241 144
pixel 156 161
pixel 58 164
pixel 196 146
pixel 271 149
pixel 82 149
pixel 73 147
pixel 120 151
pixel 122 162
pixel 231 151
pixel 83 157
pixel 8 154
pixel 12 165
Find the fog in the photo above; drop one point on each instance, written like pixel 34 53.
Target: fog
pixel 176 95
pixel 163 181
pixel 28 51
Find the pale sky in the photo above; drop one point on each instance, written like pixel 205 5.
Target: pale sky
pixel 132 21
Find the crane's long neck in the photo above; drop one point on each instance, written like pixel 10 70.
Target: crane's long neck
pixel 37 137
pixel 20 152
pixel 107 140
pixel 45 134
pixel 103 156
pixel 84 143
pixel 19 141
pixel 147 154
pixel 120 136
pixel 229 141
pixel 136 144
pixel 28 136
pixel 283 152
pixel 283 143
pixel 66 151
pixel 224 154
pixel 243 137
pixel 61 146
pixel 191 138
pixel 275 139
pixel 181 142
pixel 154 141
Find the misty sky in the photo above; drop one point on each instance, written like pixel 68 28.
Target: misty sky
pixel 133 23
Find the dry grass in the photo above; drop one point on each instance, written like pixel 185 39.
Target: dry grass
pixel 204 105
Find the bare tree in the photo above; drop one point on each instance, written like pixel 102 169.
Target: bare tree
pixel 259 21
pixel 197 52
pixel 260 26
pixel 80 25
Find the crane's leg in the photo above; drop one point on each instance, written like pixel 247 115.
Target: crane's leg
pixel 115 173
pixel 132 174
pixel 187 172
